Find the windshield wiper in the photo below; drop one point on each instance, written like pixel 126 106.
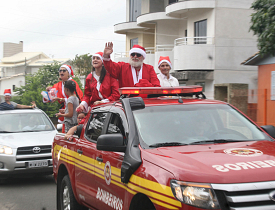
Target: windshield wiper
pixel 216 141
pixel 167 144
pixel 6 132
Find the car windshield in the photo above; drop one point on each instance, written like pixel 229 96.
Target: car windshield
pixel 195 123
pixel 24 122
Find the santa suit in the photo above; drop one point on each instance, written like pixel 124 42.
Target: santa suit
pixel 127 75
pixel 96 91
pixel 61 94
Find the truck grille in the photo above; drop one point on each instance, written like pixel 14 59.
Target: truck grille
pixel 246 196
pixel 29 150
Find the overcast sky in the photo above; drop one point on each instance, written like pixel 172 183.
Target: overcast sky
pixel 62 28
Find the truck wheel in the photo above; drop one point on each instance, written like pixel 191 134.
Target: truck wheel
pixel 66 195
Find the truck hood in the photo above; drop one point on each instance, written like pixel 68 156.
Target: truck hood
pixel 15 140
pixel 251 161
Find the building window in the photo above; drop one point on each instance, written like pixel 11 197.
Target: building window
pixel 133 42
pixel 200 31
pixel 185 32
pixel 201 84
pixel 272 85
pixel 135 9
pixel 13 87
pixel 173 1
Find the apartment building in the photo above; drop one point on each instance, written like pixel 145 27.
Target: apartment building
pixel 205 39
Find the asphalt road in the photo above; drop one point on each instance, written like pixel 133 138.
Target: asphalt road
pixel 37 193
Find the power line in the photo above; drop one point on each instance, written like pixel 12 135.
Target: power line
pixel 60 35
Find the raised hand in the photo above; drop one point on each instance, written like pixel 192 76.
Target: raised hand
pixel 80 108
pixel 108 50
pixel 48 88
pixel 33 104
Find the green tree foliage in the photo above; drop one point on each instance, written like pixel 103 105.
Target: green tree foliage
pixel 36 83
pixel 83 64
pixel 263 25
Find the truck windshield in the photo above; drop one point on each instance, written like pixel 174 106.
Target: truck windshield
pixel 195 123
pixel 24 122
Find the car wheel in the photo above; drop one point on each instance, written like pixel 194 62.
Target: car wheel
pixel 67 199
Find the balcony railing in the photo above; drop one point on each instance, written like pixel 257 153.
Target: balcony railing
pixel 167 47
pixel 149 50
pixel 194 40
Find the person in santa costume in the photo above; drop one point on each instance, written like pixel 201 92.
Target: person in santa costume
pixel 165 78
pixel 8 104
pixel 65 73
pixel 135 73
pixel 100 87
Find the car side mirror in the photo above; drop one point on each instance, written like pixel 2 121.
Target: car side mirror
pixel 79 130
pixel 270 129
pixel 111 142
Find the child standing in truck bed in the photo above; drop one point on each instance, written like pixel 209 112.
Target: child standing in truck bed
pixel 70 115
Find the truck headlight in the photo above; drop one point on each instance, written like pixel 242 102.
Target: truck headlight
pixel 5 150
pixel 195 194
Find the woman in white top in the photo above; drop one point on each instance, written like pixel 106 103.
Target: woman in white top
pixel 165 78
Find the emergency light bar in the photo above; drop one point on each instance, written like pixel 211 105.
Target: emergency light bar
pixel 161 90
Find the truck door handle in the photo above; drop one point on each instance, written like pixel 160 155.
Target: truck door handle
pixel 99 159
pixel 80 151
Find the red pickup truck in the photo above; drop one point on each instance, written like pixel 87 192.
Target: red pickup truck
pixel 166 152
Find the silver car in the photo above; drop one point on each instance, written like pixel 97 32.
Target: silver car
pixel 26 137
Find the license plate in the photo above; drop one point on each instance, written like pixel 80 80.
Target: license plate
pixel 35 164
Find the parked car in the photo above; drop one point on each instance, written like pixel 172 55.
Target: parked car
pixel 166 152
pixel 26 137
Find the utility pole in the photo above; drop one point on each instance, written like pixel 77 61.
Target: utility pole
pixel 25 66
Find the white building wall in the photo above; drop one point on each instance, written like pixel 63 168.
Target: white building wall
pixel 182 27
pixel 7 71
pixel 34 70
pixel 198 15
pixel 194 57
pixel 166 32
pixel 233 44
pixel 8 83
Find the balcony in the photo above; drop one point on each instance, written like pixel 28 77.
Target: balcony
pixel 194 53
pixel 153 18
pixel 177 9
pixel 123 28
pixel 194 40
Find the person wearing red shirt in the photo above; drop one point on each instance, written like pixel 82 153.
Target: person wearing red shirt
pixel 135 73
pixel 100 87
pixel 65 73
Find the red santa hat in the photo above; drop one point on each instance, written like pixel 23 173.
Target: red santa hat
pixel 138 49
pixel 99 54
pixel 69 68
pixel 7 92
pixel 164 59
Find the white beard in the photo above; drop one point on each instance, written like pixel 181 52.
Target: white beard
pixel 135 64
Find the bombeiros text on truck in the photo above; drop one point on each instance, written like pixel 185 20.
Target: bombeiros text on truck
pixel 166 148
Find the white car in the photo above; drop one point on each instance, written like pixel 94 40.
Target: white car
pixel 26 137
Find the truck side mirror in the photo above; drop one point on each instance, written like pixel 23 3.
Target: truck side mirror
pixel 270 129
pixel 111 142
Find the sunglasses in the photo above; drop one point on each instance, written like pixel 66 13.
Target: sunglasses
pixel 135 54
pixel 62 70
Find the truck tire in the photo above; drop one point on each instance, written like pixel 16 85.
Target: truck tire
pixel 66 196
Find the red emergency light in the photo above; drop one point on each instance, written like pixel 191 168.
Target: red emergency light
pixel 160 90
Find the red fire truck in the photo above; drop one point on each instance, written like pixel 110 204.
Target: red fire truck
pixel 166 148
